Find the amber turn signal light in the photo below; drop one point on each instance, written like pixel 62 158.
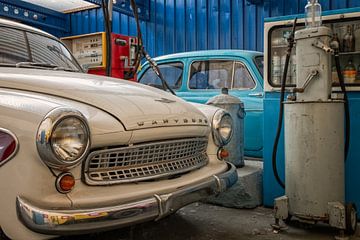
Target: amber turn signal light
pixel 65 182
pixel 223 153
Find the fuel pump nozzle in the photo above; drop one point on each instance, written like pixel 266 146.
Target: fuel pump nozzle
pixel 314 73
pixel 319 44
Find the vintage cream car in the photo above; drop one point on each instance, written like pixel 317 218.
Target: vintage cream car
pixel 82 153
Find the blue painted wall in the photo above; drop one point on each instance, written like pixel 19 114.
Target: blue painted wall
pixel 48 20
pixel 186 25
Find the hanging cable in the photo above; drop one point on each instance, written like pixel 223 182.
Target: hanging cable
pixel 139 48
pixel 107 22
pixel 291 40
pixel 143 52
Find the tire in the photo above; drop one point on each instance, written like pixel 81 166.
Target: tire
pixel 350 218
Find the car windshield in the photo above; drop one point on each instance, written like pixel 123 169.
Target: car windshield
pixel 259 62
pixel 172 73
pixel 20 48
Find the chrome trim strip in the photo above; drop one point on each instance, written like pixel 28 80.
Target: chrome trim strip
pixel 16 147
pixel 218 183
pixel 77 221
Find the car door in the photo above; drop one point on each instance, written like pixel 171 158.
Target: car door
pixel 250 91
pixel 206 77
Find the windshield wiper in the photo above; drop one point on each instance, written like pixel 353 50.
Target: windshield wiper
pixel 65 69
pixel 35 64
pixel 7 65
pixel 43 65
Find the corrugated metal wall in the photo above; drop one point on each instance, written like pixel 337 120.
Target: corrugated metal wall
pixel 186 25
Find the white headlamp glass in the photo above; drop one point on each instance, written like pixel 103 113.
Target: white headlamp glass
pixel 222 127
pixel 69 139
pixel 63 138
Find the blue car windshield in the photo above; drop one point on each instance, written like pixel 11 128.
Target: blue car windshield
pixel 172 73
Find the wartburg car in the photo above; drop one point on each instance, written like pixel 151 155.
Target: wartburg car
pixel 82 153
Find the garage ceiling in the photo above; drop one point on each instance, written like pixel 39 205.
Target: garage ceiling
pixel 64 6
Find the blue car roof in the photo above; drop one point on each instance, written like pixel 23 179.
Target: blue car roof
pixel 210 53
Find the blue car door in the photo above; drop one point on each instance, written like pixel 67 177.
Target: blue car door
pixel 204 79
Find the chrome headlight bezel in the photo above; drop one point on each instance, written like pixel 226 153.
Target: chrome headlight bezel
pixel 218 117
pixel 44 137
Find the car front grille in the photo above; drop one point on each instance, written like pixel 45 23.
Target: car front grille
pixel 145 161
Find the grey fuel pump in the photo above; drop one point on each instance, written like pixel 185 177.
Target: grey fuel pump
pixel 314 136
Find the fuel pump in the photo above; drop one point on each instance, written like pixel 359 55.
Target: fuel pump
pixel 314 136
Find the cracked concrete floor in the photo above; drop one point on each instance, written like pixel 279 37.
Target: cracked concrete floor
pixel 201 221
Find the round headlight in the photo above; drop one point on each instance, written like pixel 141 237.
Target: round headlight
pixel 222 127
pixel 69 139
pixel 63 138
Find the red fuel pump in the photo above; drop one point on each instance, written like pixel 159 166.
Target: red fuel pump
pixel 90 51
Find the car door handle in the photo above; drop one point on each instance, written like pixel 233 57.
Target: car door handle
pixel 258 94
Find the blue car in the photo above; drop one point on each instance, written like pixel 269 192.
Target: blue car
pixel 198 76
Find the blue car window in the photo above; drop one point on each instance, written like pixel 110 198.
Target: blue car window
pixel 242 77
pixel 211 74
pixel 172 73
pixel 259 62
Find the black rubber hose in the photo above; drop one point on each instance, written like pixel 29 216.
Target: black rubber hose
pixel 139 47
pixel 151 61
pixel 109 40
pixel 346 104
pixel 157 71
pixel 281 111
pixel 108 37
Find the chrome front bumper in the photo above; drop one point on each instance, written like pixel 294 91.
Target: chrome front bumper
pixel 77 221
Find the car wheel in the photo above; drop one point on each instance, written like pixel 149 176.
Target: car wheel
pixel 351 218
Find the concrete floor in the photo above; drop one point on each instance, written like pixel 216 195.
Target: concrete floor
pixel 208 222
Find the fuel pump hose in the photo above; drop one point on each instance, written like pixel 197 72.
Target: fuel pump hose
pixel 141 50
pixel 346 103
pixel 105 11
pixel 291 40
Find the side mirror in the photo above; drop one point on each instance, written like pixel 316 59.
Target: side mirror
pixel 85 69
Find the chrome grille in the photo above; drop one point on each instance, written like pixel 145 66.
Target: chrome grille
pixel 145 161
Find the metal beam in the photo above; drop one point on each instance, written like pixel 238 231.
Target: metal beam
pixel 34 15
pixel 123 6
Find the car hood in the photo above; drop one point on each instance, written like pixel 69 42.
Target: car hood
pixel 135 105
